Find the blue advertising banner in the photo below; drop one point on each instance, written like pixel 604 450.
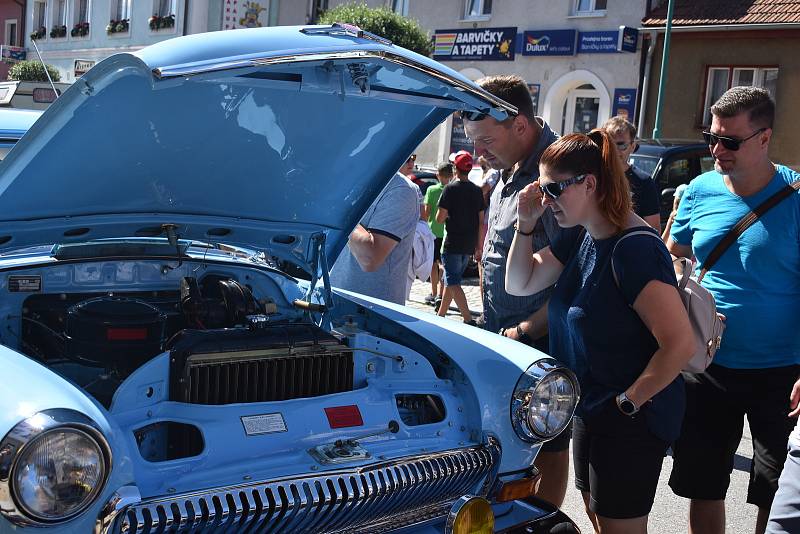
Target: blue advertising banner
pixel 604 42
pixel 628 39
pixel 624 103
pixel 484 44
pixel 549 43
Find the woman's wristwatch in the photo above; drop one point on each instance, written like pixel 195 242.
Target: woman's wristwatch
pixel 625 405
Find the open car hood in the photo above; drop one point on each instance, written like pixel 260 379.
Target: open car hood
pixel 276 139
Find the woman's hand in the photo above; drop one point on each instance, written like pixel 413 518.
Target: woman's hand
pixel 529 207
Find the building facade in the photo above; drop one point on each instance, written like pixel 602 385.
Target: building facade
pixel 580 67
pixel 12 26
pixel 73 35
pixel 756 44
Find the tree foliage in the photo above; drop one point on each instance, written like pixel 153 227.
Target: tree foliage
pixel 32 71
pixel 384 22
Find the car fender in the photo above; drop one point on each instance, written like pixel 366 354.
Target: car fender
pixel 492 363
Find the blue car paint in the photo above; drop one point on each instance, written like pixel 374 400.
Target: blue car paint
pixel 291 143
pixel 15 122
pixel 35 388
pixel 285 196
pixel 491 363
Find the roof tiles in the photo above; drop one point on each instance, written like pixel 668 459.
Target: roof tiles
pixel 715 12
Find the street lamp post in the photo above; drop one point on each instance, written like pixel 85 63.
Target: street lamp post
pixel 662 79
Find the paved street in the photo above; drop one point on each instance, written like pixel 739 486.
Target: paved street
pixel 669 515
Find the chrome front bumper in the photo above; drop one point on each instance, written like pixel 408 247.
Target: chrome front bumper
pixel 375 498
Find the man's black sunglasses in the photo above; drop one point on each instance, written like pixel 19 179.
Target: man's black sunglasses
pixel 554 189
pixel 731 143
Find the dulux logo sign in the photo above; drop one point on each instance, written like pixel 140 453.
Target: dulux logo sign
pixel 549 43
pixel 542 44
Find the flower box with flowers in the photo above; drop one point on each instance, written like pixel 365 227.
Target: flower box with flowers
pixel 157 22
pixel 80 29
pixel 39 33
pixel 58 31
pixel 118 26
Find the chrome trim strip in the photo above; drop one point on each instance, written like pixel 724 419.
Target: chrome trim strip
pixel 173 71
pixel 364 499
pixel 29 430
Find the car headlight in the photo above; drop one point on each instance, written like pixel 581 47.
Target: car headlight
pixel 55 465
pixel 544 400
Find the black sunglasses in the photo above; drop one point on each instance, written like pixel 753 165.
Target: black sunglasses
pixel 731 143
pixel 553 190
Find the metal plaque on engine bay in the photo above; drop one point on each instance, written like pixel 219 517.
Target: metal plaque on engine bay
pixel 263 424
pixel 24 284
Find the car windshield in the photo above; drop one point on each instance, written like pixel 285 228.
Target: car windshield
pixel 644 163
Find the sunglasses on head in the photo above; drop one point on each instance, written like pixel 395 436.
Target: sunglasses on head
pixel 731 143
pixel 553 190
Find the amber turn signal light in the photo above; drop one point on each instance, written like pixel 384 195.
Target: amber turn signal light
pixel 519 489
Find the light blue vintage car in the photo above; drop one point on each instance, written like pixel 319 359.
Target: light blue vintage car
pixel 166 367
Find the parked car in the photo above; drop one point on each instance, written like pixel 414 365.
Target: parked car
pixel 671 163
pixel 163 372
pixel 13 124
pixel 30 95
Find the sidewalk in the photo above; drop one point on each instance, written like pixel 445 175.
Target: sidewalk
pixel 420 290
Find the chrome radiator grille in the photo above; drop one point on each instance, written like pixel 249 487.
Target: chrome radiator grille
pixel 375 498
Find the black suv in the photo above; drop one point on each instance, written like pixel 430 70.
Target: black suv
pixel 671 163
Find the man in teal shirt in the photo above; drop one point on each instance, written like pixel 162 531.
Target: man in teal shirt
pixel 444 173
pixel 756 284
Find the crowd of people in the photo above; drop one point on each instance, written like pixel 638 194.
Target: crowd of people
pixel 573 261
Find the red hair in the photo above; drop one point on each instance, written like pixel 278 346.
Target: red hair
pixel 595 154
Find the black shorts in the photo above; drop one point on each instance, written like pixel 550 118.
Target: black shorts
pixel 617 461
pixel 716 403
pixel 437 249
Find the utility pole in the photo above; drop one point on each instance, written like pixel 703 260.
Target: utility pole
pixel 662 79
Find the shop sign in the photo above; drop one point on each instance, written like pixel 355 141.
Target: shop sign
pixel 12 54
pixel 549 43
pixel 81 66
pixel 624 103
pixel 604 42
pixel 628 39
pixel 484 44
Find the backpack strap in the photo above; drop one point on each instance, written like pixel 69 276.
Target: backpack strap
pixel 746 222
pixel 620 240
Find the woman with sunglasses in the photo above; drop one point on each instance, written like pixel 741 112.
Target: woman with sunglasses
pixel 623 330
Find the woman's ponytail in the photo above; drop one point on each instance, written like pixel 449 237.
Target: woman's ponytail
pixel 613 187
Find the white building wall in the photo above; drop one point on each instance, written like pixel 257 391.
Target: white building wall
pixel 61 52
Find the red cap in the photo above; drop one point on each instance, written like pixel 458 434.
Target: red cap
pixel 463 161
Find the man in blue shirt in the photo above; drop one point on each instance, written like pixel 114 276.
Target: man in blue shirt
pixel 756 284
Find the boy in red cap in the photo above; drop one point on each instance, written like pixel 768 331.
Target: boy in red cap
pixel 461 209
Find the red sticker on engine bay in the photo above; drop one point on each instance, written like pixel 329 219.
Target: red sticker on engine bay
pixel 344 416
